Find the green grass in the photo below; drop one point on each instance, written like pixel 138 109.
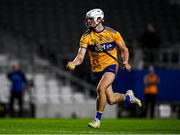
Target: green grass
pixel 79 126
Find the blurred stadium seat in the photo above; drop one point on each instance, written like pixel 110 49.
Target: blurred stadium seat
pixel 4 90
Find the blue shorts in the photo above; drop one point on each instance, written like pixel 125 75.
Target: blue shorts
pixel 98 75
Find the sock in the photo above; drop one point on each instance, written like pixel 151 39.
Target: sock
pixel 127 99
pixel 99 115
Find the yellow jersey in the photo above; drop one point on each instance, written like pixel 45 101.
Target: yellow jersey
pixel 108 39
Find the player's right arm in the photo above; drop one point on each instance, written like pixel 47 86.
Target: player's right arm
pixel 78 59
pixel 81 53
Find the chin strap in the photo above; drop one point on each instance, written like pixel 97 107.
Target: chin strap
pixel 98 24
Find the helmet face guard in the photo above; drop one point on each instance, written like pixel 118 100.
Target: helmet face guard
pixel 92 17
pixel 90 23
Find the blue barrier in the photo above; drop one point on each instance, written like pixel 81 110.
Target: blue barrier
pixel 169 86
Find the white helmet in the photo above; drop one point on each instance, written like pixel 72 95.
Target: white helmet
pixel 95 14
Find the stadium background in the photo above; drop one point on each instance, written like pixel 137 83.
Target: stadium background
pixel 43 35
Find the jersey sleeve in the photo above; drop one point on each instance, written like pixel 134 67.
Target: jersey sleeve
pixel 83 42
pixel 117 37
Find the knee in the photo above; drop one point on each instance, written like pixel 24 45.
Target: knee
pixel 111 101
pixel 101 89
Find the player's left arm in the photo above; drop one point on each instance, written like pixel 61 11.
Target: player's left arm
pixel 124 51
pixel 124 54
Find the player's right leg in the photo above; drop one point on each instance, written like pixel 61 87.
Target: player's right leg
pixel 104 83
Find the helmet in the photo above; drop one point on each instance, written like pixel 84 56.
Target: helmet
pixel 95 14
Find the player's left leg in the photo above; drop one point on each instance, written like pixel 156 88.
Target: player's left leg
pixel 113 98
pixel 105 93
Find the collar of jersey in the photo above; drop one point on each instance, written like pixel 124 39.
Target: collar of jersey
pixel 100 31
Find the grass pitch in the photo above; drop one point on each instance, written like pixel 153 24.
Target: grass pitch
pixel 79 126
